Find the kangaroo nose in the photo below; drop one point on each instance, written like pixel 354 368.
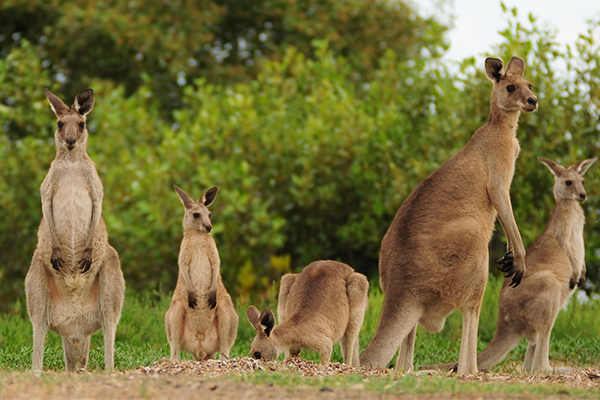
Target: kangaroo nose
pixel 71 142
pixel 208 228
pixel 532 101
pixel 582 196
pixel 256 355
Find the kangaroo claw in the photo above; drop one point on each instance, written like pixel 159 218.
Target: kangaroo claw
pixel 85 264
pixel 57 263
pixel 507 266
pixel 212 299
pixel 506 263
pixel 192 299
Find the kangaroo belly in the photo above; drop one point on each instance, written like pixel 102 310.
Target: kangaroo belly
pixel 200 335
pixel 73 307
pixel 72 214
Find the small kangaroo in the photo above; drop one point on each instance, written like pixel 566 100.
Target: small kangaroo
pixel 434 256
pixel 74 286
pixel 201 319
pixel 556 264
pixel 322 305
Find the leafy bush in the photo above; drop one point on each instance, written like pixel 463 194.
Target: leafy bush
pixel 310 163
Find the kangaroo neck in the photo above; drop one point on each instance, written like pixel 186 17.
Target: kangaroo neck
pixel 196 234
pixel 77 154
pixel 503 120
pixel 566 215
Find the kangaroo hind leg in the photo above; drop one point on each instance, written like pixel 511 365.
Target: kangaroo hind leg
pixel 357 289
pixel 111 293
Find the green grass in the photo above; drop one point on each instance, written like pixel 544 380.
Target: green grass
pixel 141 337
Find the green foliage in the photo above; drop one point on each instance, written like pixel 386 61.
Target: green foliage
pixel 312 160
pixel 175 42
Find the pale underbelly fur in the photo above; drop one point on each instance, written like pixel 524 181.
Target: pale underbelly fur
pixel 74 310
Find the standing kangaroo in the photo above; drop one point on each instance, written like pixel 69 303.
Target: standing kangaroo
pixel 555 265
pixel 201 319
pixel 434 257
pixel 322 305
pixel 74 286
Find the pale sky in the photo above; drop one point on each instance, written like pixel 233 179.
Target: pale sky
pixel 477 22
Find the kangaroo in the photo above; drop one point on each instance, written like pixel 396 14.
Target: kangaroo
pixel 201 318
pixel 322 305
pixel 74 286
pixel 434 256
pixel 556 264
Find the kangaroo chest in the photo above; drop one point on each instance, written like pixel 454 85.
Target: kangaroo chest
pixel 576 245
pixel 71 205
pixel 200 257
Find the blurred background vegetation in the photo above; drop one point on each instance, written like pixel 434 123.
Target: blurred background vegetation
pixel 315 119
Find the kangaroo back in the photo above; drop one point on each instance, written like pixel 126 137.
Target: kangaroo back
pixel 322 305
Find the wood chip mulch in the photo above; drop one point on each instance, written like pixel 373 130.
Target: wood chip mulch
pixel 588 378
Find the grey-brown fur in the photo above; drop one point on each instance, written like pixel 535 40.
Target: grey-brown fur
pixel 74 286
pixel 322 305
pixel 434 257
pixel 555 265
pixel 201 319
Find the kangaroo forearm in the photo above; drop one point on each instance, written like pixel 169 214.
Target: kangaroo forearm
pixel 49 218
pixel 509 225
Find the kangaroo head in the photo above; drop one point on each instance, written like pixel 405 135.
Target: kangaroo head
pixel 568 182
pixel 511 91
pixel 71 130
pixel 197 216
pixel 262 347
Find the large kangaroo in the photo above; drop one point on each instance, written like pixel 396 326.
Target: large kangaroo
pixel 434 257
pixel 322 305
pixel 74 286
pixel 201 319
pixel 555 265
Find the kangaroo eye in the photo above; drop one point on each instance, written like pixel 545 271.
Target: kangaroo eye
pixel 81 125
pixel 568 183
pixel 530 87
pixel 511 88
pixel 196 215
pixel 60 125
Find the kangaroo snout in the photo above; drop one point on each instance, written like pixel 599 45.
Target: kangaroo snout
pixel 256 355
pixel 582 197
pixel 532 101
pixel 71 143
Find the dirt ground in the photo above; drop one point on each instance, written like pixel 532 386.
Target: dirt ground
pixel 212 380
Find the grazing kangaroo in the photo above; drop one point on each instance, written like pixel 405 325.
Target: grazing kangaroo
pixel 74 286
pixel 555 265
pixel 322 305
pixel 201 319
pixel 434 257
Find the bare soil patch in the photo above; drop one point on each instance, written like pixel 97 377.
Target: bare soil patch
pixel 215 379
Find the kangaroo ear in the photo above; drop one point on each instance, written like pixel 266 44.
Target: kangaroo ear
pixel 186 200
pixel 516 66
pixel 58 106
pixel 84 102
pixel 253 316
pixel 267 321
pixel 555 168
pixel 209 197
pixel 494 69
pixel 582 166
